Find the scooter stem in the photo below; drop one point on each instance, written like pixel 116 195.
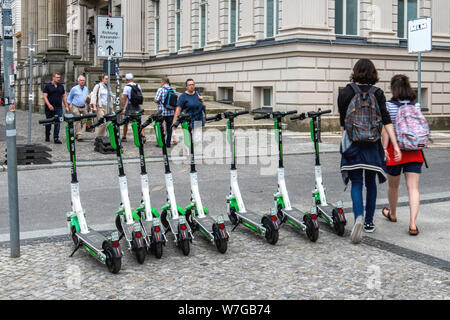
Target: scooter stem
pixel 146 197
pixel 235 192
pixel 77 208
pixel 283 190
pixel 125 199
pixel 195 192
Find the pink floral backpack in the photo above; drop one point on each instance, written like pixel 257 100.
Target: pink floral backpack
pixel 411 127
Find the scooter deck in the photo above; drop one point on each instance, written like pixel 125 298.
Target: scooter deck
pixel 93 239
pixel 296 215
pixel 206 222
pixel 328 209
pixel 251 217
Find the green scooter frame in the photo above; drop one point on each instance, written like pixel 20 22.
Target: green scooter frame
pixel 266 225
pixel 303 221
pixel 173 217
pixel 104 249
pixel 148 216
pixel 196 214
pixel 332 214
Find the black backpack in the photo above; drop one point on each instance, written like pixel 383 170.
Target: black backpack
pixel 135 97
pixel 170 99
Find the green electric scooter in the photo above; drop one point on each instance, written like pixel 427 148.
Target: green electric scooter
pixel 127 220
pixel 104 249
pixel 266 225
pixel 333 214
pixel 306 222
pixel 173 216
pixel 196 214
pixel 149 216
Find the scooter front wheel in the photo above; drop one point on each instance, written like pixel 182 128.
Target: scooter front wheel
pixel 221 245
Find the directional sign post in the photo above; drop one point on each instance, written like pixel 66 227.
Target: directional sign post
pixel 419 40
pixel 109 43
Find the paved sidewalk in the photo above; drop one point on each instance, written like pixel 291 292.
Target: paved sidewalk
pixel 295 268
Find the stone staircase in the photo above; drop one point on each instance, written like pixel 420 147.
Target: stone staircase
pixel 150 85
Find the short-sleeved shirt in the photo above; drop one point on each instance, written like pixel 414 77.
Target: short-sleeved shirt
pixel 346 95
pixel 54 94
pixel 127 90
pixel 160 95
pixel 191 104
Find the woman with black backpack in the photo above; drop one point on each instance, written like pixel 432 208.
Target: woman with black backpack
pixel 363 116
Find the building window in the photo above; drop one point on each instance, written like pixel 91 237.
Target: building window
pixel 178 24
pixel 203 23
pixel 346 17
pixel 272 17
pixel 407 10
pixel 234 20
pixel 156 27
pixel 266 98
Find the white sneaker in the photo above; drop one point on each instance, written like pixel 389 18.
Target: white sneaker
pixel 356 234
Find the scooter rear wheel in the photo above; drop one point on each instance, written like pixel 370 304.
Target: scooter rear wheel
pixel 113 264
pixel 185 247
pixel 271 233
pixel 221 245
pixel 158 250
pixel 311 230
pixel 140 255
pixel 339 225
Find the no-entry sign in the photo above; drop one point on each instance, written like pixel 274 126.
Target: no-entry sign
pixel 109 37
pixel 419 35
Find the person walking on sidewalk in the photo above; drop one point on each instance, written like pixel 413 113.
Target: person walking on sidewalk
pixel 99 102
pixel 191 102
pixel 131 100
pixel 54 96
pixel 362 153
pixel 166 111
pixel 77 98
pixel 411 163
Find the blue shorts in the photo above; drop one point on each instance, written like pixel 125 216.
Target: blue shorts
pixel 415 167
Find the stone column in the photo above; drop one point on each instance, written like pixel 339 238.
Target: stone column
pixel 163 32
pixel 42 26
pixel 304 19
pixel 186 27
pixel 57 26
pixel 132 24
pixel 213 21
pixel 246 24
pixel 25 29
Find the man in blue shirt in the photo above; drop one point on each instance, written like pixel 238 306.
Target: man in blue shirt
pixel 77 98
pixel 54 96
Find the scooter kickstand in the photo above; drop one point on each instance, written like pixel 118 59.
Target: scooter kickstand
pixel 75 250
pixel 235 226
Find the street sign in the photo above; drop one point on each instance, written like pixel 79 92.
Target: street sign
pixel 109 37
pixel 419 35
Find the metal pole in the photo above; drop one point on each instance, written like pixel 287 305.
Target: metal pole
pixel 31 95
pixel 109 85
pixel 8 59
pixel 419 79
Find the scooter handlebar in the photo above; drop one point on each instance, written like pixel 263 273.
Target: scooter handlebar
pixel 55 119
pixel 260 117
pixel 217 117
pixel 311 114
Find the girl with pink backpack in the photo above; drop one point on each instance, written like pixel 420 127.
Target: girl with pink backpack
pixel 408 121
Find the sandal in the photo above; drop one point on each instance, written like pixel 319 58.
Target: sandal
pixel 388 214
pixel 414 232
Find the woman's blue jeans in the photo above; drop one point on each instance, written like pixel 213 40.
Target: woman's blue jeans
pixel 356 177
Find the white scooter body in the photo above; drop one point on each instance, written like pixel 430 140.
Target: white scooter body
pixel 171 196
pixel 319 185
pixel 196 195
pixel 235 191
pixel 146 197
pixel 77 208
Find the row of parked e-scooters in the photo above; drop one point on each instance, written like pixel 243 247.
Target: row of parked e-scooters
pixel 145 228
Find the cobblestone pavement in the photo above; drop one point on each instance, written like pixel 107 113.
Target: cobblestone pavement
pixel 295 268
